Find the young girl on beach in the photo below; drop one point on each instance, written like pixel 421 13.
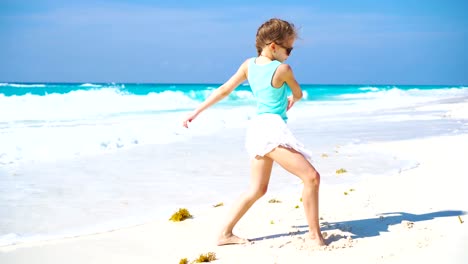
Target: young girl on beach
pixel 268 138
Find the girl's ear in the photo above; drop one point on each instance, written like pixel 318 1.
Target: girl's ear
pixel 273 46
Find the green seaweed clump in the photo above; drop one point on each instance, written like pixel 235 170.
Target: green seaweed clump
pixel 274 201
pixel 340 171
pixel 218 205
pixel 183 261
pixel 208 257
pixel 297 206
pixel 180 215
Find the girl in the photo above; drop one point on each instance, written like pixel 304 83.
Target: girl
pixel 268 138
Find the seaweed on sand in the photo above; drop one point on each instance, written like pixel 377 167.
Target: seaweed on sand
pixel 208 257
pixel 180 215
pixel 274 201
pixel 340 171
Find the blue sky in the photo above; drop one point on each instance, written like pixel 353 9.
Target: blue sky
pixel 341 42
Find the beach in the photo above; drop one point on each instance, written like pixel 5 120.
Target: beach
pixel 401 196
pixel 412 216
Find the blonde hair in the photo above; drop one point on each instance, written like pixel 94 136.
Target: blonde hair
pixel 274 30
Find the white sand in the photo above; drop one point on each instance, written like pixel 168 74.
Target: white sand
pixel 411 216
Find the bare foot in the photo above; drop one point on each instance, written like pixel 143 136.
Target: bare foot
pixel 315 240
pixel 231 240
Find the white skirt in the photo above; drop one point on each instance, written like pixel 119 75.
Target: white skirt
pixel 266 132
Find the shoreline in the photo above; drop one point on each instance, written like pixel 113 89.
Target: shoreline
pixel 139 161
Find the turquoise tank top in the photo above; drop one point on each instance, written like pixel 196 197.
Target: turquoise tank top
pixel 270 100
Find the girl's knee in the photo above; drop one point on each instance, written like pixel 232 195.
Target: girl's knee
pixel 312 178
pixel 257 193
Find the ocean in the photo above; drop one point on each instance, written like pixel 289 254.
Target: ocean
pixel 80 158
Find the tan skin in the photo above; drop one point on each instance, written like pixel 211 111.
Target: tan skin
pixel 261 167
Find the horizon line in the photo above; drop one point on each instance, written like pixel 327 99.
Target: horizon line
pixel 208 83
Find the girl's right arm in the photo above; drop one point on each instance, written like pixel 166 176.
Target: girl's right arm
pixel 223 91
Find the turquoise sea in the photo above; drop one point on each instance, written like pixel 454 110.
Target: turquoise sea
pixel 198 91
pixel 80 158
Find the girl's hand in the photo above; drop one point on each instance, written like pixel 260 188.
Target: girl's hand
pixel 189 118
pixel 290 102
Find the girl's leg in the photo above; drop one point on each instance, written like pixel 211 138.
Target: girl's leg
pixel 295 163
pixel 260 177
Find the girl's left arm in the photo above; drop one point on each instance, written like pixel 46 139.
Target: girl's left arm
pixel 289 78
pixel 223 91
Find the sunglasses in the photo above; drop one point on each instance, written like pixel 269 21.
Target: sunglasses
pixel 288 50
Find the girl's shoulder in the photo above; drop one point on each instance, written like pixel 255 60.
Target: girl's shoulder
pixel 283 69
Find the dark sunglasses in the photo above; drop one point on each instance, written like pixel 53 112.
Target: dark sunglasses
pixel 288 50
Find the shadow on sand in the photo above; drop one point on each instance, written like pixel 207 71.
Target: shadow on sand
pixel 370 227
